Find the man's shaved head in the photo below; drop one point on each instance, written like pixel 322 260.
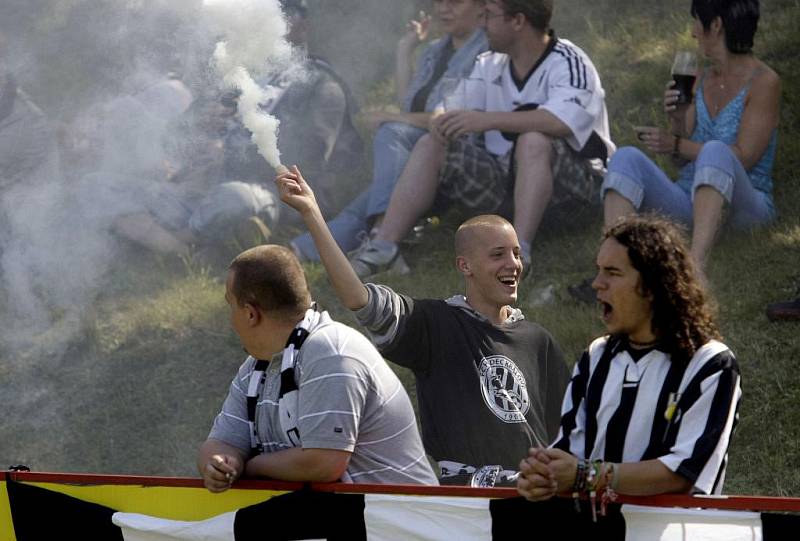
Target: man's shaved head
pixel 469 231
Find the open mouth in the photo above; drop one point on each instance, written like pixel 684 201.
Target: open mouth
pixel 605 310
pixel 508 281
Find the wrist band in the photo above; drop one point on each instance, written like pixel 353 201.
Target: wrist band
pixel 579 483
pixel 676 145
pixel 615 477
pixel 609 493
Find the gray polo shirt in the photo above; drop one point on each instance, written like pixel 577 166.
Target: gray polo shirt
pixel 349 399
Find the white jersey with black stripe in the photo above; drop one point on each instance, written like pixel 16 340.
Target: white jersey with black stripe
pixel 683 414
pixel 564 82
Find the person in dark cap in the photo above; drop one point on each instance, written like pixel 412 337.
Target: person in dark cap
pixel 315 110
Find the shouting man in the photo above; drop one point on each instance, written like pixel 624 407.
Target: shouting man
pixel 652 405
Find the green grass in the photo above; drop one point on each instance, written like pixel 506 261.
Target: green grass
pixel 137 391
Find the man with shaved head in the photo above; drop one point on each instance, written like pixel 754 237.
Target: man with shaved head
pixel 489 382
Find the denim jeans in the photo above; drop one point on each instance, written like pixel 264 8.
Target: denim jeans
pixel 639 180
pixel 230 203
pixel 391 148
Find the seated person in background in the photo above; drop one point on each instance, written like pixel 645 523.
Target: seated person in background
pixel 488 381
pixel 28 151
pixel 651 407
pixel 315 109
pixel 440 66
pixel 154 160
pixel 727 135
pixel 535 114
pixel 116 156
pixel 314 401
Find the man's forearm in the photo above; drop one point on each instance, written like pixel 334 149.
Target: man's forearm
pixel 418 120
pixel 650 477
pixel 323 465
pixel 348 287
pixel 540 120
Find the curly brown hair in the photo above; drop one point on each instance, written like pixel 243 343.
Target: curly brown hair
pixel 683 313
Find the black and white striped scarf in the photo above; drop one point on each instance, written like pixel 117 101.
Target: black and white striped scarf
pixel 288 394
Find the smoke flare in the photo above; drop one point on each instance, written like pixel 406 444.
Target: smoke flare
pixel 253 38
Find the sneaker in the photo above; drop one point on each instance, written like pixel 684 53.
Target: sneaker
pixel 374 256
pixel 250 232
pixel 583 292
pixel 784 311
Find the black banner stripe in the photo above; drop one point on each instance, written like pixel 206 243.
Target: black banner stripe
pixel 39 514
pixel 303 515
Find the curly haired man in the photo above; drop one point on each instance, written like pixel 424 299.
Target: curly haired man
pixel 652 405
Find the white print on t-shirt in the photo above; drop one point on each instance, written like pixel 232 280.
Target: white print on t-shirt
pixel 504 389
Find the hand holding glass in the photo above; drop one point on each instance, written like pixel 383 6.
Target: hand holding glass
pixel 684 73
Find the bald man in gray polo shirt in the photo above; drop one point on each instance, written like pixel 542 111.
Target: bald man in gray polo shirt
pixel 320 405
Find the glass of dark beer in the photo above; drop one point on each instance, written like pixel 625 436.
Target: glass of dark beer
pixel 684 72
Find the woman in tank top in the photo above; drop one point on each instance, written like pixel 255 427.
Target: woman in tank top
pixel 725 138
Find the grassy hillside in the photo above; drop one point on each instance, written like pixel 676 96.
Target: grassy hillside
pixel 137 392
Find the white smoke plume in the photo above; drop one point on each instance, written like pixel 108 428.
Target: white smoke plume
pixel 98 71
pixel 253 37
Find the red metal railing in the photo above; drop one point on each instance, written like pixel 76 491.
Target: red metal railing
pixel 751 503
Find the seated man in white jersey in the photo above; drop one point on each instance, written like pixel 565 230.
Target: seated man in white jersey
pixel 651 406
pixel 529 124
pixel 314 401
pixel 489 381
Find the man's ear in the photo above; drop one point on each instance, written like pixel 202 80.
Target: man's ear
pixel 253 314
pixel 463 266
pixel 643 291
pixel 716 26
pixel 518 21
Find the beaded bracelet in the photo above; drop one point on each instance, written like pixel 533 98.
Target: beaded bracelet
pixel 588 477
pixel 612 480
pixel 592 480
pixel 579 483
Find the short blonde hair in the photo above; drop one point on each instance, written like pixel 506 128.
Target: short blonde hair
pixel 466 231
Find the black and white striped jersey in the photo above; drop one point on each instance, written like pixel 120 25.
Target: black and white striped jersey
pixel 683 414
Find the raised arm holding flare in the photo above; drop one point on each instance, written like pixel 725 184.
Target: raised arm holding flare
pixel 296 193
pixel 489 382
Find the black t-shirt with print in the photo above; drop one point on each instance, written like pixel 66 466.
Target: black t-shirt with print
pixel 486 393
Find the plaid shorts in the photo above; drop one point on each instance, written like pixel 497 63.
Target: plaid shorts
pixel 574 177
pixel 474 177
